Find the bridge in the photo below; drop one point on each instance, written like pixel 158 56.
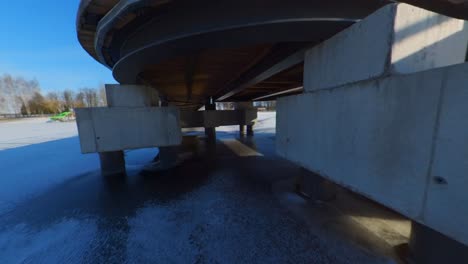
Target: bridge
pixel 371 94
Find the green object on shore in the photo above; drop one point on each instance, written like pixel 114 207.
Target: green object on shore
pixel 61 117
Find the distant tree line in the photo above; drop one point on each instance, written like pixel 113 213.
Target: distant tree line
pixel 21 96
pixel 57 102
pixel 14 91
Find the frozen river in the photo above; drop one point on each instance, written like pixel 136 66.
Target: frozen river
pixel 217 207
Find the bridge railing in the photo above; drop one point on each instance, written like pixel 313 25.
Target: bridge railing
pixel 18 116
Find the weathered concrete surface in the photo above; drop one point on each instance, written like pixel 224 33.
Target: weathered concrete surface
pixel 396 39
pixel 119 95
pixel 216 118
pixel 446 206
pixel 378 138
pixel 374 137
pixel 120 128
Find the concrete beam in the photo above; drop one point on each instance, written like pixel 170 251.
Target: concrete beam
pixel 120 128
pixel 274 96
pixel 216 118
pixel 396 39
pixel 280 59
pixel 400 141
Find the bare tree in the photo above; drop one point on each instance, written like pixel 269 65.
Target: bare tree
pixel 90 97
pixel 68 101
pixel 79 100
pixel 102 96
pixel 53 103
pixel 36 104
pixel 20 95
pixel 15 92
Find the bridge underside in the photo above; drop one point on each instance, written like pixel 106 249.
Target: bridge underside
pixel 373 92
pixel 203 49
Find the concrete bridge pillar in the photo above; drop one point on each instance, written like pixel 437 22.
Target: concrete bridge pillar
pixel 210 132
pixel 384 114
pixel 167 155
pixel 112 163
pixel 249 124
pixel 132 120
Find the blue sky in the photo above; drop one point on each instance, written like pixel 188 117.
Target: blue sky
pixel 38 40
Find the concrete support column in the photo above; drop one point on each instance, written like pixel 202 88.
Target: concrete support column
pixel 245 106
pixel 132 111
pixel 210 132
pixel 112 163
pixel 250 131
pixel 167 155
pixel 430 247
pixel 241 130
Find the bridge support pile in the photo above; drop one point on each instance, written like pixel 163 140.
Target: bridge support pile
pixel 133 119
pixel 385 114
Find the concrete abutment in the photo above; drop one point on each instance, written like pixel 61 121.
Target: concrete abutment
pixel 389 126
pixel 138 118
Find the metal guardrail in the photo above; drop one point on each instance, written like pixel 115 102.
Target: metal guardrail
pixel 18 116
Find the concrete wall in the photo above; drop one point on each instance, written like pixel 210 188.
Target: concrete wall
pixel 446 207
pixel 112 129
pixel 401 140
pixel 395 39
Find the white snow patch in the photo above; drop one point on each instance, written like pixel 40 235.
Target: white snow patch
pixel 25 132
pixel 266 123
pixel 35 156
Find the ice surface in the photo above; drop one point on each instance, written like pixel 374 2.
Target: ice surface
pixel 63 242
pixel 226 217
pixel 36 155
pixel 23 132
